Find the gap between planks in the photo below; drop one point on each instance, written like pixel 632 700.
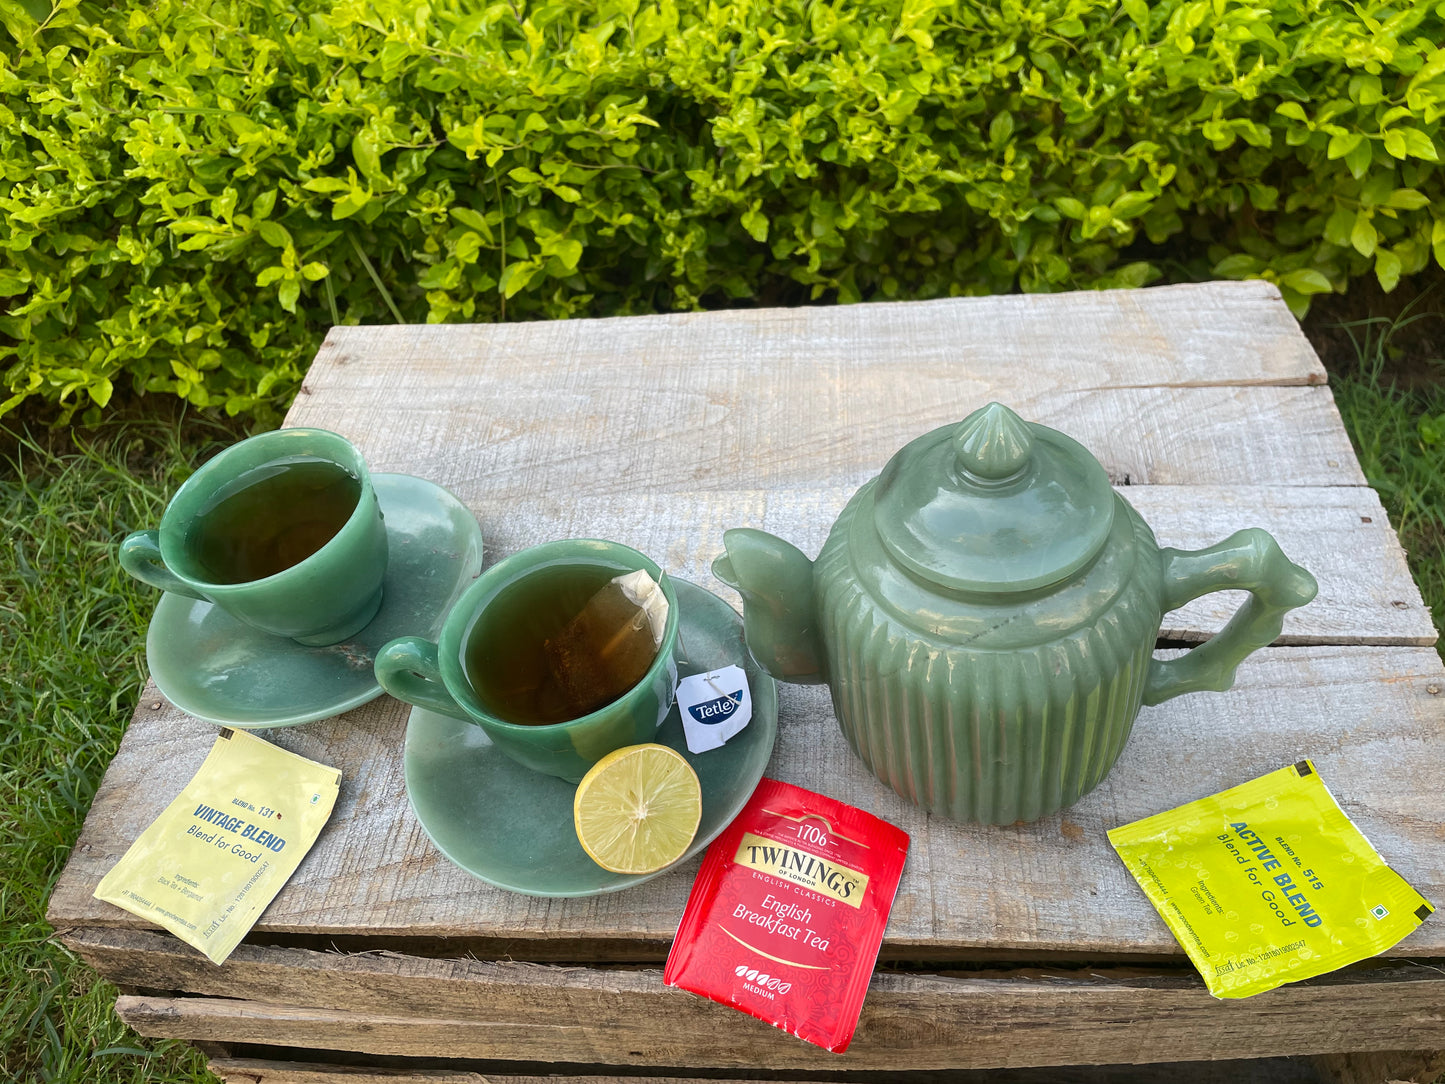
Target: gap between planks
pixel 310 1067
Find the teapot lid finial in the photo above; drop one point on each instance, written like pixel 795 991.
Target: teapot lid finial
pixel 993 443
pixel 993 504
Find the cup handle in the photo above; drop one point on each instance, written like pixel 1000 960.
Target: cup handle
pixel 407 669
pixel 1248 560
pixel 140 555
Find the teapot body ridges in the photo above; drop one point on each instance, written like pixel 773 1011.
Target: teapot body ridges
pixel 985 613
pixel 987 709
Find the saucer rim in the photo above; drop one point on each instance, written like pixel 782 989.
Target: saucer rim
pixel 337 707
pixel 759 679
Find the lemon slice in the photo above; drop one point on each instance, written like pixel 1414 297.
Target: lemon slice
pixel 638 809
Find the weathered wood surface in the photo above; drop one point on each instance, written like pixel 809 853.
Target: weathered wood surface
pixel 366 986
pixel 1183 385
pixel 910 1021
pixel 512 431
pixel 1370 718
pixel 251 1070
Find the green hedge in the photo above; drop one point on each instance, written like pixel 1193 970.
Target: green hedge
pixel 193 190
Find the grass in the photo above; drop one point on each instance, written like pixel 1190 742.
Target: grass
pixel 71 669
pixel 1398 429
pixel 71 662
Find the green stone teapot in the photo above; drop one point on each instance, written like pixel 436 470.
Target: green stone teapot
pixel 985 613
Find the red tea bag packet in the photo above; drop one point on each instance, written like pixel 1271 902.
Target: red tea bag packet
pixel 788 911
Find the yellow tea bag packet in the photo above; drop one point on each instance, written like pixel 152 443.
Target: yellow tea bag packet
pixel 1268 883
pixel 208 866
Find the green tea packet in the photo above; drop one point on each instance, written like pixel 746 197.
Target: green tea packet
pixel 1268 883
pixel 208 866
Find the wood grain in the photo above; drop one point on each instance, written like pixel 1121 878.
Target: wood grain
pixel 1370 717
pixel 963 1020
pixel 251 1070
pixel 1186 385
pixel 566 435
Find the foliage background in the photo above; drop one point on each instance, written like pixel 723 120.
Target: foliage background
pixel 193 191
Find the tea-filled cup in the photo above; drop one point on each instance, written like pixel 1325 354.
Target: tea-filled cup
pixel 282 531
pixel 490 664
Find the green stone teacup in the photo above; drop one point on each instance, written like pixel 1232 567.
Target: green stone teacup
pixel 490 636
pixel 282 531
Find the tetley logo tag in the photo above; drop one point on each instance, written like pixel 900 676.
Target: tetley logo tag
pixel 714 706
pixel 712 712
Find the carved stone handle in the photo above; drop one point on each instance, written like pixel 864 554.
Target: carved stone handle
pixel 1248 560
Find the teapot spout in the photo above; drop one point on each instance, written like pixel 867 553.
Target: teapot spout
pixel 780 615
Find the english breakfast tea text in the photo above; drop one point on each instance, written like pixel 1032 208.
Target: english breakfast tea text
pixel 788 911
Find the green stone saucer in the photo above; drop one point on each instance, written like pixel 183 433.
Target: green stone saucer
pixel 212 666
pixel 512 827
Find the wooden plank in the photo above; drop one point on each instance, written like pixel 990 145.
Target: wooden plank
pixel 1341 534
pixel 257 1071
pixel 527 433
pixel 1201 334
pixel 238 1070
pixel 1186 385
pixel 1370 717
pixel 965 1020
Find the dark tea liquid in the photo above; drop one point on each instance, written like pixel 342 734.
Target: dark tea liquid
pixel 271 518
pixel 506 663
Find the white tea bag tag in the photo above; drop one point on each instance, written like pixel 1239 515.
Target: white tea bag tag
pixel 714 706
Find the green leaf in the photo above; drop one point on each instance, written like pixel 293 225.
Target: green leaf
pixel 1395 143
pixel 288 293
pixel 327 184
pixel 1237 266
pixel 1387 269
pixel 1363 235
pixel 515 278
pixel 368 161
pixel 569 251
pixel 1131 205
pixel 1138 10
pixel 1419 144
pixel 1000 128
pixel 1342 143
pixel 274 234
pixel 270 275
pixel 1407 199
pixel 350 203
pixel 1070 207
pixel 756 223
pixel 1338 226
pixel 315 271
pixel 1358 160
pixel 263 204
pixel 1306 281
pixel 1365 90
pixel 12 284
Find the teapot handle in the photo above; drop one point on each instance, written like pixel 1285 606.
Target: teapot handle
pixel 1248 560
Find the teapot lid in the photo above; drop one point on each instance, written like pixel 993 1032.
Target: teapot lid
pixel 993 504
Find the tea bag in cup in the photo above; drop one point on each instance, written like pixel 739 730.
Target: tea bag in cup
pixel 609 645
